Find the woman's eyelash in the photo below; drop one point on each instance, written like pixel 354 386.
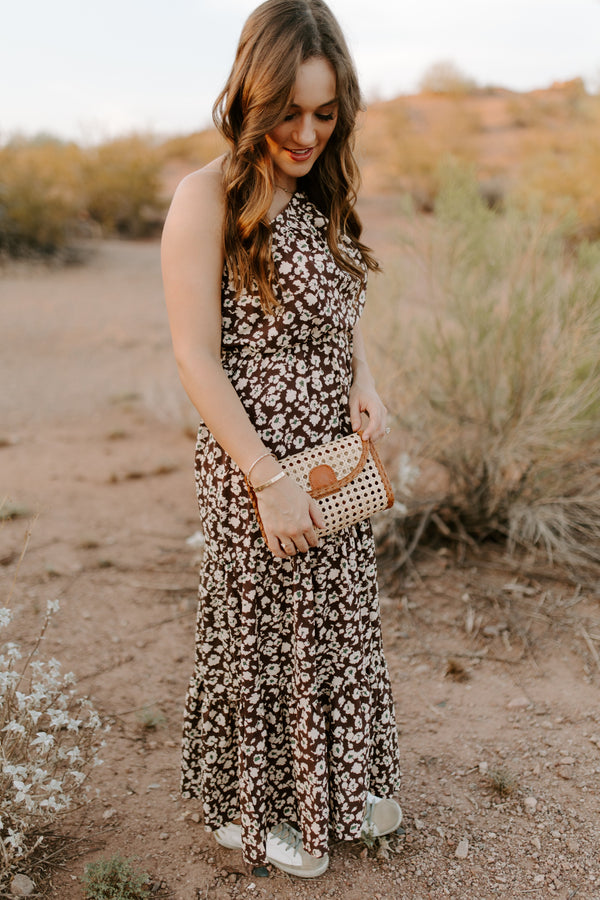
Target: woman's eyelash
pixel 323 117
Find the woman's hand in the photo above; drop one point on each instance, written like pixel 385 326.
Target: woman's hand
pixel 363 396
pixel 365 399
pixel 290 518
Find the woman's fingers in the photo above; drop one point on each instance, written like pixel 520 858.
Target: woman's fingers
pixel 317 518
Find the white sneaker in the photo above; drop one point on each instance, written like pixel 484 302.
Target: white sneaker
pixel 284 850
pixel 229 836
pixel 381 816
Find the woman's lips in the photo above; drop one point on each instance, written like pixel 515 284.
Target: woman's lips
pixel 300 155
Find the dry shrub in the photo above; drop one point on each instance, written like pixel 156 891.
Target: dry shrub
pixel 501 373
pixel 49 741
pixel 560 167
pixel 404 149
pixel 122 180
pixel 40 196
pixel 445 77
pixel 198 148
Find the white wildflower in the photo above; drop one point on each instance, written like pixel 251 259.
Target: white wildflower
pixel 35 715
pixel 8 680
pixel 5 616
pixel 43 740
pixel 78 777
pixel 52 606
pixel 22 795
pixel 14 839
pixel 8 769
pixel 59 718
pixel 12 651
pixel 14 728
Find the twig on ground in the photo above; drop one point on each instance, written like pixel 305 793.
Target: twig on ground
pixel 415 539
pixel 590 645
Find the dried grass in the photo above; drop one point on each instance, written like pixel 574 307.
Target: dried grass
pixel 500 373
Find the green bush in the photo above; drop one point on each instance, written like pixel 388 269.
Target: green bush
pixel 115 879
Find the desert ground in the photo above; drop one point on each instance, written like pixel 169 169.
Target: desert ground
pixel 494 665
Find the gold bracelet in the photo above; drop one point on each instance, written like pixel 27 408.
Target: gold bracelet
pixel 266 484
pixel 256 461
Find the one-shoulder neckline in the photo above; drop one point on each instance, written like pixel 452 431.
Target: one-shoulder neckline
pixel 282 212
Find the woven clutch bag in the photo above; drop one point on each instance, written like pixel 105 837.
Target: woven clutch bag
pixel 346 477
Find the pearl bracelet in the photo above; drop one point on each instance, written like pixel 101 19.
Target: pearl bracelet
pixel 260 487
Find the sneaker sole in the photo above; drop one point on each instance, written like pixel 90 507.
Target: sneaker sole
pixel 378 833
pixel 298 871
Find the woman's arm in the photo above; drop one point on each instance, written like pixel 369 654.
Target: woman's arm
pixel 192 263
pixel 363 395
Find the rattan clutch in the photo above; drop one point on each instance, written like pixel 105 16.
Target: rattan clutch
pixel 346 477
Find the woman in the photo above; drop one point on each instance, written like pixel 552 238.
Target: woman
pixel 289 734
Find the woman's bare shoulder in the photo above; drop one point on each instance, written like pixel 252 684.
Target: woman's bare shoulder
pixel 200 194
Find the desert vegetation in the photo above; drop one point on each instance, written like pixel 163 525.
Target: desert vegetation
pixel 498 379
pixel 49 742
pixel 486 337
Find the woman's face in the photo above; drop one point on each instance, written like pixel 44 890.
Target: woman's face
pixel 299 139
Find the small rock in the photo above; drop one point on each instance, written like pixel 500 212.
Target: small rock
pixel 567 761
pixel 536 843
pixel 195 817
pixel 530 804
pixel 22 886
pixel 518 703
pixel 462 851
pixel 109 813
pixel 483 768
pixel 163 836
pixel 572 845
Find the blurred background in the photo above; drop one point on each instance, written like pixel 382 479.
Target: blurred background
pixel 480 155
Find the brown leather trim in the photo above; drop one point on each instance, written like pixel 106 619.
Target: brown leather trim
pixel 334 488
pixel 321 476
pixel 384 475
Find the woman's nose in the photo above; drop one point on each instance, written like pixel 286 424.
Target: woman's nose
pixel 306 132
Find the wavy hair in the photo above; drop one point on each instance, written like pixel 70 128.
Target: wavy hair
pixel 277 38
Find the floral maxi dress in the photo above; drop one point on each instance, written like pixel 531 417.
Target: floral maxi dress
pixel 289 714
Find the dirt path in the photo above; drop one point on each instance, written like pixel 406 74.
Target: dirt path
pixel 493 675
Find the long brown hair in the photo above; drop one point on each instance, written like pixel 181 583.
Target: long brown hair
pixel 277 38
